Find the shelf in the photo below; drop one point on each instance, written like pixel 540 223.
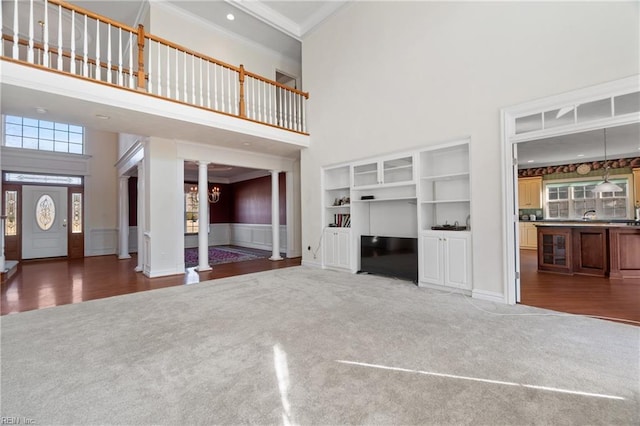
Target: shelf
pixel 377 200
pixel 445 201
pixel 339 207
pixel 447 176
pixel 407 166
pixel 366 172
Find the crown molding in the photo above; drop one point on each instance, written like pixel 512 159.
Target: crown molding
pixel 259 10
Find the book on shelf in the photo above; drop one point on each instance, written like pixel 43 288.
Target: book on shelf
pixel 342 220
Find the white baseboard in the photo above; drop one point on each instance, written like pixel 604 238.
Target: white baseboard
pixel 489 296
pixel 311 263
pixel 100 242
pixel 444 289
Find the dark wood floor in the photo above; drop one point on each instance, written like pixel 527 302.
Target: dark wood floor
pixel 45 283
pixel 41 284
pixel 577 294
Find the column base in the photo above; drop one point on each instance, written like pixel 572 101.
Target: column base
pixel 124 256
pixel 138 269
pixel 203 268
pixel 276 258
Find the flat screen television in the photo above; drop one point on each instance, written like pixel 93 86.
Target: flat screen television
pixel 389 256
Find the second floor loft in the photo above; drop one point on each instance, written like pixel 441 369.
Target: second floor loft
pixel 65 40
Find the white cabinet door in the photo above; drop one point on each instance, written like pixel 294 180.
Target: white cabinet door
pixel 431 258
pixel 337 248
pixel 396 170
pixel 457 260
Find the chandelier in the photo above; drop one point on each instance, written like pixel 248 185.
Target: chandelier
pixel 213 195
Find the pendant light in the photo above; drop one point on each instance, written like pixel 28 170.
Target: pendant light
pixel 606 186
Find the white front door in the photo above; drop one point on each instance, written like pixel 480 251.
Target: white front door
pixel 44 221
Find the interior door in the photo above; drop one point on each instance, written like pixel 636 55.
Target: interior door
pixel 44 221
pixel 515 220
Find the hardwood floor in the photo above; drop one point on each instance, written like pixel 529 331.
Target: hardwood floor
pixel 578 294
pixel 45 283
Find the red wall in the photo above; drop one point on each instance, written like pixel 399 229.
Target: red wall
pixel 242 202
pixel 252 201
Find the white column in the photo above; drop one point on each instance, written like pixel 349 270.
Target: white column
pixel 123 218
pixel 2 266
pixel 275 216
pixel 140 224
pixel 203 218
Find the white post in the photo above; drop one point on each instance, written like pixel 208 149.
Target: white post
pixel 123 218
pixel 140 224
pixel 275 216
pixel 2 266
pixel 203 218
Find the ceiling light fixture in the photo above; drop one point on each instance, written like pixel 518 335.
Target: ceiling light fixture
pixel 606 186
pixel 230 16
pixel 530 161
pixel 41 110
pixel 102 117
pixel 580 155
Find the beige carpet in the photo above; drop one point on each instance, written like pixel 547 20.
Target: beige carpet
pixel 306 346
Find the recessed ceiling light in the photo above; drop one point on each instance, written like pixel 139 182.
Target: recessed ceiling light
pixel 102 117
pixel 249 143
pixel 230 16
pixel 41 110
pixel 580 155
pixel 530 161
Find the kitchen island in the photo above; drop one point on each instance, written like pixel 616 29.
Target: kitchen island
pixel 590 248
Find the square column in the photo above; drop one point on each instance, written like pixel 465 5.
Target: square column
pixel 275 216
pixel 123 218
pixel 203 218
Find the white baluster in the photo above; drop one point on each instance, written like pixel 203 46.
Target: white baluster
pixel 270 88
pixel 159 79
pixel 229 78
pixel 16 37
pixel 85 59
pixel 109 53
pixel 1 40
pixel 30 50
pixel 304 114
pixel 215 86
pixel 200 85
pixel 295 111
pixel 177 75
pixel 208 84
pixel 45 54
pixel 184 75
pixel 254 83
pixel 150 74
pixel 72 61
pixel 282 113
pixel 265 102
pixel 98 72
pixel 222 89
pixel 168 71
pixel 131 45
pixel 120 82
pixel 236 84
pixel 59 38
pixel 193 80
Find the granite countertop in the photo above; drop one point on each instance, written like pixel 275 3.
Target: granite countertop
pixel 587 223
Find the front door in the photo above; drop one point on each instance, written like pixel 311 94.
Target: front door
pixel 44 219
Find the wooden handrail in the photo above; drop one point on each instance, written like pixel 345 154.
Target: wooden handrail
pixel 191 52
pixel 67 54
pixel 93 15
pixel 275 83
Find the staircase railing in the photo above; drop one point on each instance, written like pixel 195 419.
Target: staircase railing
pixel 61 37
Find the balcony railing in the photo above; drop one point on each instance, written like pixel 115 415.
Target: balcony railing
pixel 61 37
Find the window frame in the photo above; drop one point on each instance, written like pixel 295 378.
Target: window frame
pixel 43 135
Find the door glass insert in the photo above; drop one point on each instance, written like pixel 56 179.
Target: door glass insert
pixel 45 212
pixel 11 208
pixel 76 213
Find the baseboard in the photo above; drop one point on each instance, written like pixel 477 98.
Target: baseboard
pixel 444 289
pixel 490 296
pixel 311 263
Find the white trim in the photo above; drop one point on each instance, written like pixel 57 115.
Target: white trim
pixel 312 264
pixel 258 236
pixel 130 158
pixel 510 242
pixel 34 161
pixel 490 296
pixel 101 241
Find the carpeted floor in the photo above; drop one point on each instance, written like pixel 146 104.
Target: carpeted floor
pixel 309 346
pixel 224 254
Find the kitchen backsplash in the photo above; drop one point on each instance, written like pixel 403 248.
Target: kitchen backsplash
pixel 528 212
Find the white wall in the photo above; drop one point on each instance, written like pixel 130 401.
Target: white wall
pixel 406 74
pixel 180 27
pixel 101 193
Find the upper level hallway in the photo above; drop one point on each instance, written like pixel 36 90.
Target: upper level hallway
pixel 88 69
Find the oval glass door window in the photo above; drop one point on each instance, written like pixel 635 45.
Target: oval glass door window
pixel 45 212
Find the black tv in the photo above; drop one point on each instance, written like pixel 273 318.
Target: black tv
pixel 389 256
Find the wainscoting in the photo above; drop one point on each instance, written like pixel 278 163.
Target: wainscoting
pixel 256 236
pixel 101 241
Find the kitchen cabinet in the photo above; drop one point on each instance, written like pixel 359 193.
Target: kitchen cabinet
pixel 396 170
pixel 554 249
pixel 528 235
pixel 530 193
pixel 636 185
pixel 337 248
pixel 624 245
pixel 445 258
pixel 590 251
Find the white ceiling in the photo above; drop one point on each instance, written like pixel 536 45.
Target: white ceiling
pixel 622 142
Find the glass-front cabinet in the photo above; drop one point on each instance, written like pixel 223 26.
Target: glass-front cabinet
pixel 554 249
pixel 387 171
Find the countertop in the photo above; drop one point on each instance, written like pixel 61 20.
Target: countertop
pixel 586 223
